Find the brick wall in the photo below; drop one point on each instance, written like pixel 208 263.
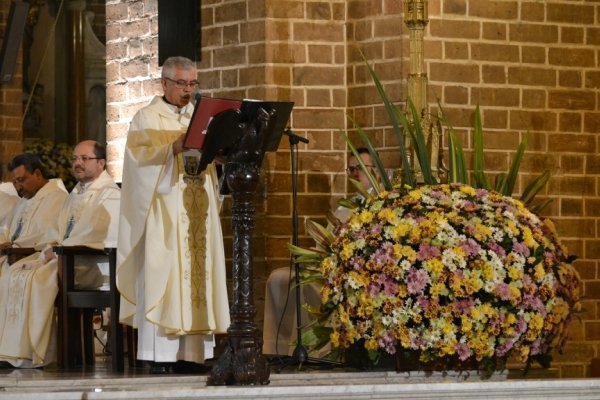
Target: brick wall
pixel 530 65
pixel 11 108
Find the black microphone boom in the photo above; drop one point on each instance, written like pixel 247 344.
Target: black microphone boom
pixel 294 137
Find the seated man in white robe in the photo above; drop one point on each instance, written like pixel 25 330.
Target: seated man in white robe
pixel 35 212
pixel 170 257
pixel 280 324
pixel 8 200
pixel 28 288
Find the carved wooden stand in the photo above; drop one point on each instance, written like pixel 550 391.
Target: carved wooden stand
pixel 242 362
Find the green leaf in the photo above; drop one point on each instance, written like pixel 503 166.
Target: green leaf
pixel 458 167
pixel 320 234
pixel 511 178
pixel 419 144
pixel 363 167
pixel 456 156
pixel 537 208
pixel 478 169
pixel 316 337
pixel 387 184
pixel 499 181
pixel 407 176
pixel 534 187
pixel 347 203
pixel 299 251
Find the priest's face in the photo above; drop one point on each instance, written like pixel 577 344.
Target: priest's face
pixel 178 85
pixel 86 166
pixel 27 183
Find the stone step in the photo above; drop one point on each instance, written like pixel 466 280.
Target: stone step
pixel 302 385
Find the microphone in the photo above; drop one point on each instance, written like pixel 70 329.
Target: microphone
pixel 196 96
pixel 295 138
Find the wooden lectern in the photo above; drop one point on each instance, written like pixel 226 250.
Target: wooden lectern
pixel 243 136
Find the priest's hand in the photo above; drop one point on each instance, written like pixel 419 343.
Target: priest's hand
pixel 49 254
pixel 178 145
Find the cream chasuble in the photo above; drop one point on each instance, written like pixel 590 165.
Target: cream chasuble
pixel 32 221
pixel 29 286
pixel 34 218
pixel 170 258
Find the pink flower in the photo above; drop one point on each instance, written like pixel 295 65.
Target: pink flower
pixel 463 351
pixel 417 280
pixel 521 248
pixel 427 251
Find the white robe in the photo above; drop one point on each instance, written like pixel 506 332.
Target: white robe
pixel 170 258
pixel 32 221
pixel 8 202
pixel 30 286
pixel 280 322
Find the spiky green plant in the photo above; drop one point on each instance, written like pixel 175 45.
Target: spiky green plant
pixel 411 125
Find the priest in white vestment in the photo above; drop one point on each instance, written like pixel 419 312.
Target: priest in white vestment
pixel 280 321
pixel 88 217
pixel 170 257
pixel 35 212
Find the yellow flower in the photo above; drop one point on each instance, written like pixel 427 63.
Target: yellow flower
pixel 387 214
pixel 365 216
pixel 438 289
pixel 325 293
pixel 536 322
pixel 482 232
pixel 468 190
pixel 347 251
pixel 335 338
pixel 371 344
pixel 515 293
pixel 539 272
pixel 434 266
pixel 515 273
pixel 466 325
pixel 488 271
pixel 401 230
pixel 528 238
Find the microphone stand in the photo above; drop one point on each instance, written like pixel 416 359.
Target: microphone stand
pixel 300 354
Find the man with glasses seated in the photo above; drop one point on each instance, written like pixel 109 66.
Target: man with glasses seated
pixel 35 212
pixel 279 329
pixel 170 256
pixel 28 287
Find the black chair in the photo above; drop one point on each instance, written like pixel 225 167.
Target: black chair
pixel 75 304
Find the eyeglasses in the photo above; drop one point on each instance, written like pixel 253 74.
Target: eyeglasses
pixel 181 84
pixel 84 158
pixel 355 168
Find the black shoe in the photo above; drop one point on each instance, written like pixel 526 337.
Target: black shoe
pixel 188 367
pixel 160 368
pixel 6 365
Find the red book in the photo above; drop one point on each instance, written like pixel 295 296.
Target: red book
pixel 206 109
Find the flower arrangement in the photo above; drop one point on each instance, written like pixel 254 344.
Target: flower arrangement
pixel 457 273
pixel 56 157
pixel 451 272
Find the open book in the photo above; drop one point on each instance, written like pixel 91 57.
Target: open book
pixel 206 109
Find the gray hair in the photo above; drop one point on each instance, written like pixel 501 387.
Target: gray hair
pixel 172 63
